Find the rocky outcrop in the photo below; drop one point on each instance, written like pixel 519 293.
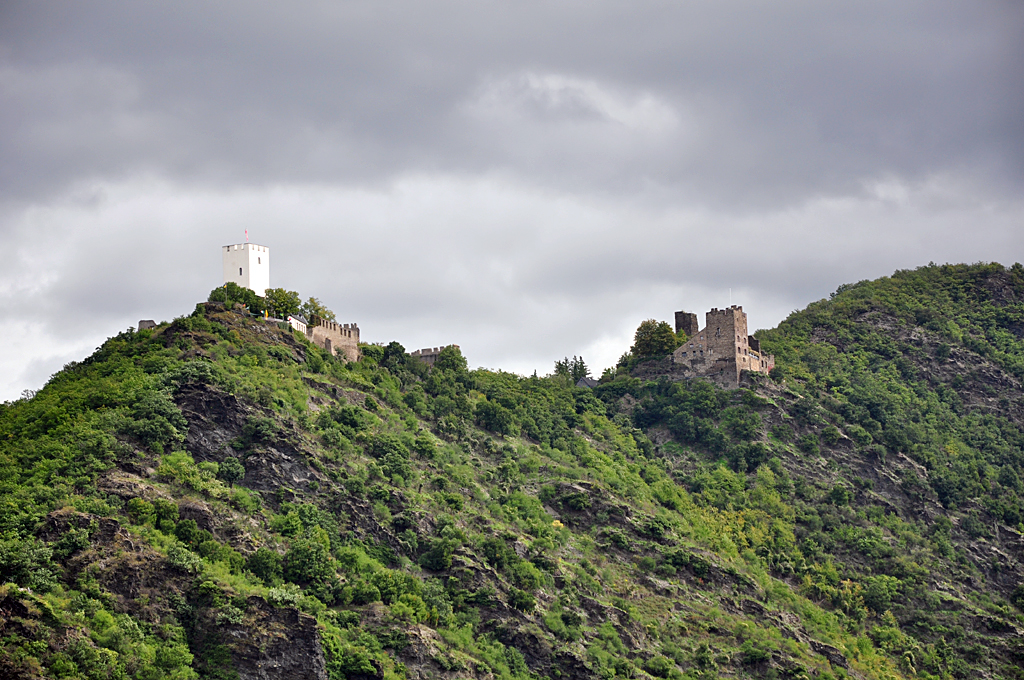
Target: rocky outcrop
pixel 269 644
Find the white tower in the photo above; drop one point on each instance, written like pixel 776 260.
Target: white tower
pixel 248 265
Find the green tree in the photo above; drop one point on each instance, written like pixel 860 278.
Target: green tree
pixel 281 302
pixel 266 564
pixel 308 561
pixel 451 359
pixel 314 309
pixel 574 368
pixel 494 417
pixel 231 293
pixel 394 356
pixel 231 470
pixel 27 562
pixel 653 339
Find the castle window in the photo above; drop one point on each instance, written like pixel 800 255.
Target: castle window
pixel 239 271
pixel 258 261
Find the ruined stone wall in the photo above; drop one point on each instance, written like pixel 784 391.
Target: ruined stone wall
pixel 336 338
pixel 687 323
pixel 428 355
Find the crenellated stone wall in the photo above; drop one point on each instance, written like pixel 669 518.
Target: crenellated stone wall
pixel 336 338
pixel 429 355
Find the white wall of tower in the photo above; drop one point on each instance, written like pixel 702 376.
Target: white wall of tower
pixel 248 265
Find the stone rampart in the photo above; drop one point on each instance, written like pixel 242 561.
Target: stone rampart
pixel 336 338
pixel 429 355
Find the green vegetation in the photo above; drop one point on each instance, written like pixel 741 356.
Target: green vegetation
pixel 176 503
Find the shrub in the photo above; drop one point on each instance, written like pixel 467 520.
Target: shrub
pixel 266 564
pixel 521 600
pixel 831 435
pixel 308 561
pixel 808 443
pixel 659 666
pixel 362 592
pixel 155 421
pixel 245 501
pixel 231 470
pixel 26 562
pixel 184 559
pixel 439 556
pixel 493 416
pixel 141 510
pixel 259 429
pixel 526 576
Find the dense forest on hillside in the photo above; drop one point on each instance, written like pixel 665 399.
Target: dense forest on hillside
pixel 218 498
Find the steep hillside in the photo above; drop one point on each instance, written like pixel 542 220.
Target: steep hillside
pixel 218 498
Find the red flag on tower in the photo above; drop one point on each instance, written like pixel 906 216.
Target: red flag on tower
pixel 246 235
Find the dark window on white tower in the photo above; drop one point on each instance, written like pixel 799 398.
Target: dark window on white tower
pixel 239 271
pixel 258 261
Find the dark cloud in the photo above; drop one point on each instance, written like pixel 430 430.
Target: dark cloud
pixel 527 179
pixel 771 100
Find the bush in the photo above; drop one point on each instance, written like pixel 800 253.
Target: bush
pixel 831 435
pixel 259 429
pixel 362 592
pixel 753 652
pixel 267 565
pixel 307 562
pixel 1017 597
pixel 521 600
pixel 231 470
pixel 155 421
pixel 808 443
pixel 526 576
pixel 184 559
pixel 659 666
pixel 245 501
pixel 439 556
pixel 493 416
pixel 26 562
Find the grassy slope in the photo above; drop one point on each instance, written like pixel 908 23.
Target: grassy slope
pixel 465 523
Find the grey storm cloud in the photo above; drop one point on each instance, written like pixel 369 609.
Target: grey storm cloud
pixel 528 179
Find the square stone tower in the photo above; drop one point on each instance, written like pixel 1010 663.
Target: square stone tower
pixel 248 265
pixel 687 322
pixel 726 332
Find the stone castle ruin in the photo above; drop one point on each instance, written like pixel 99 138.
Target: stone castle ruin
pixel 722 350
pixel 429 355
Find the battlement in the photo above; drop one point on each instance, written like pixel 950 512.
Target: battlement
pixel 345 329
pixel 429 355
pixel 336 338
pixel 248 265
pixel 734 310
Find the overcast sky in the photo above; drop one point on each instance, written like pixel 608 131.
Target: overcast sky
pixel 529 180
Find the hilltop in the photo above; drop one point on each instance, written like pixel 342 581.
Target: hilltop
pixel 218 497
